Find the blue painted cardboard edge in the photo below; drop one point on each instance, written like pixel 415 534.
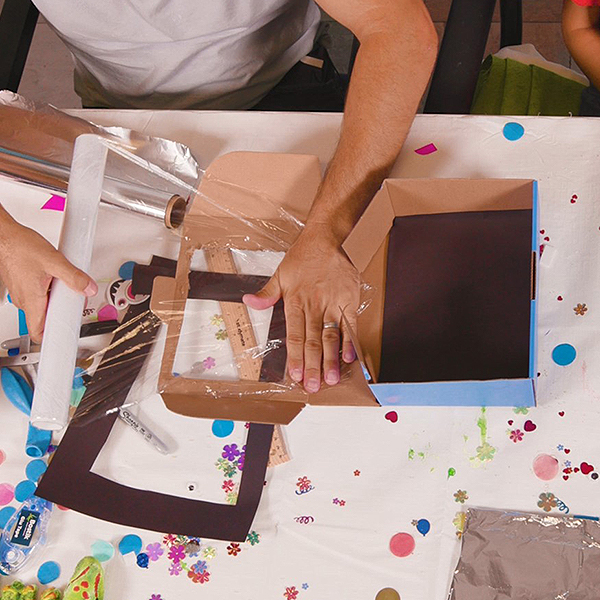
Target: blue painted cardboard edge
pixel 498 392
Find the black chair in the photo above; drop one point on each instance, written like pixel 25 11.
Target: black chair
pixel 459 60
pixel 452 85
pixel 461 52
pixel 17 24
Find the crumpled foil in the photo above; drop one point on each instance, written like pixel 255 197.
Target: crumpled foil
pixel 523 556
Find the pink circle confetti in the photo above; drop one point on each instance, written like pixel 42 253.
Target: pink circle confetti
pixel 7 493
pixel 2 457
pixel 545 467
pixel 402 545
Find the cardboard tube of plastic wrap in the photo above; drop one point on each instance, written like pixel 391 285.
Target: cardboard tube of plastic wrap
pixel 65 308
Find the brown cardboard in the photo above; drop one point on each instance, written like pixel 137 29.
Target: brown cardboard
pixel 254 186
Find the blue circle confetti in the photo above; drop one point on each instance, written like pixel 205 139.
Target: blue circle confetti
pixel 423 526
pixel 513 131
pixel 564 354
pixel 48 572
pixel 126 270
pixel 222 428
pixel 35 469
pixel 130 543
pixel 24 490
pixel 5 515
pixel 102 550
pixel 143 560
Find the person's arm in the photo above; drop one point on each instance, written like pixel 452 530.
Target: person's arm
pixel 28 263
pixel 581 32
pixel 398 46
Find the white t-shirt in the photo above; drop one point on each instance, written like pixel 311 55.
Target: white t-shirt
pixel 224 54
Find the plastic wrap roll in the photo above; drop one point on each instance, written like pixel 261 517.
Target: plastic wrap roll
pixel 50 407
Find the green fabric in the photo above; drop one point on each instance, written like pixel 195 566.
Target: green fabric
pixel 508 87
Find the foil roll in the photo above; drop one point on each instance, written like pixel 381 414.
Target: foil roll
pixel 36 146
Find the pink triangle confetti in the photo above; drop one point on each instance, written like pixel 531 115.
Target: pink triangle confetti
pixel 55 203
pixel 425 150
pixel 108 313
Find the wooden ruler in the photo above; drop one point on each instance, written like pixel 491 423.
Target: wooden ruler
pixel 243 341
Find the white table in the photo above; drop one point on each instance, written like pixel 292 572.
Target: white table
pixel 404 466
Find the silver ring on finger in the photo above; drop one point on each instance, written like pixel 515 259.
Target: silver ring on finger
pixel 330 325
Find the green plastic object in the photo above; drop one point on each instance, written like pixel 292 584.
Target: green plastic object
pixel 89 578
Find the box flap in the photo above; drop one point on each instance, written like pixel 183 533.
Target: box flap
pixel 353 390
pixel 236 409
pixel 435 196
pixel 370 231
pixel 258 185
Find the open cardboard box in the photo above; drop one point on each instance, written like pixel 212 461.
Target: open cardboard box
pixel 257 185
pixel 453 263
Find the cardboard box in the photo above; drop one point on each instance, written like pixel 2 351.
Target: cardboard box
pixel 254 187
pixel 481 222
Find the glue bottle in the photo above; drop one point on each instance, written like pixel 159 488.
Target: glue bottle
pixel 24 533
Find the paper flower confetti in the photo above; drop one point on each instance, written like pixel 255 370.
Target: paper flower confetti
pixel 461 496
pixel 547 502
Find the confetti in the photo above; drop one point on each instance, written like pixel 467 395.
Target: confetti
pixel 513 131
pixel 402 545
pixel 427 149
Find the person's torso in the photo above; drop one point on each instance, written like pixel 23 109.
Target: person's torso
pixel 182 53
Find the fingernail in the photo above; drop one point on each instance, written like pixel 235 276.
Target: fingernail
pixel 312 385
pixel 332 377
pixel 91 289
pixel 349 356
pixel 297 375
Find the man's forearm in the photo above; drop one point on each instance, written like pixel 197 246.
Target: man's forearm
pixel 581 32
pixel 391 72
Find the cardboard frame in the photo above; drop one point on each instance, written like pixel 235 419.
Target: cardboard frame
pixel 239 205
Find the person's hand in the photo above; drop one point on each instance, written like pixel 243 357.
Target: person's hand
pixel 27 265
pixel 315 280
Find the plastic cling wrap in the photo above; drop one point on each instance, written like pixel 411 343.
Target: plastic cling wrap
pixel 204 350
